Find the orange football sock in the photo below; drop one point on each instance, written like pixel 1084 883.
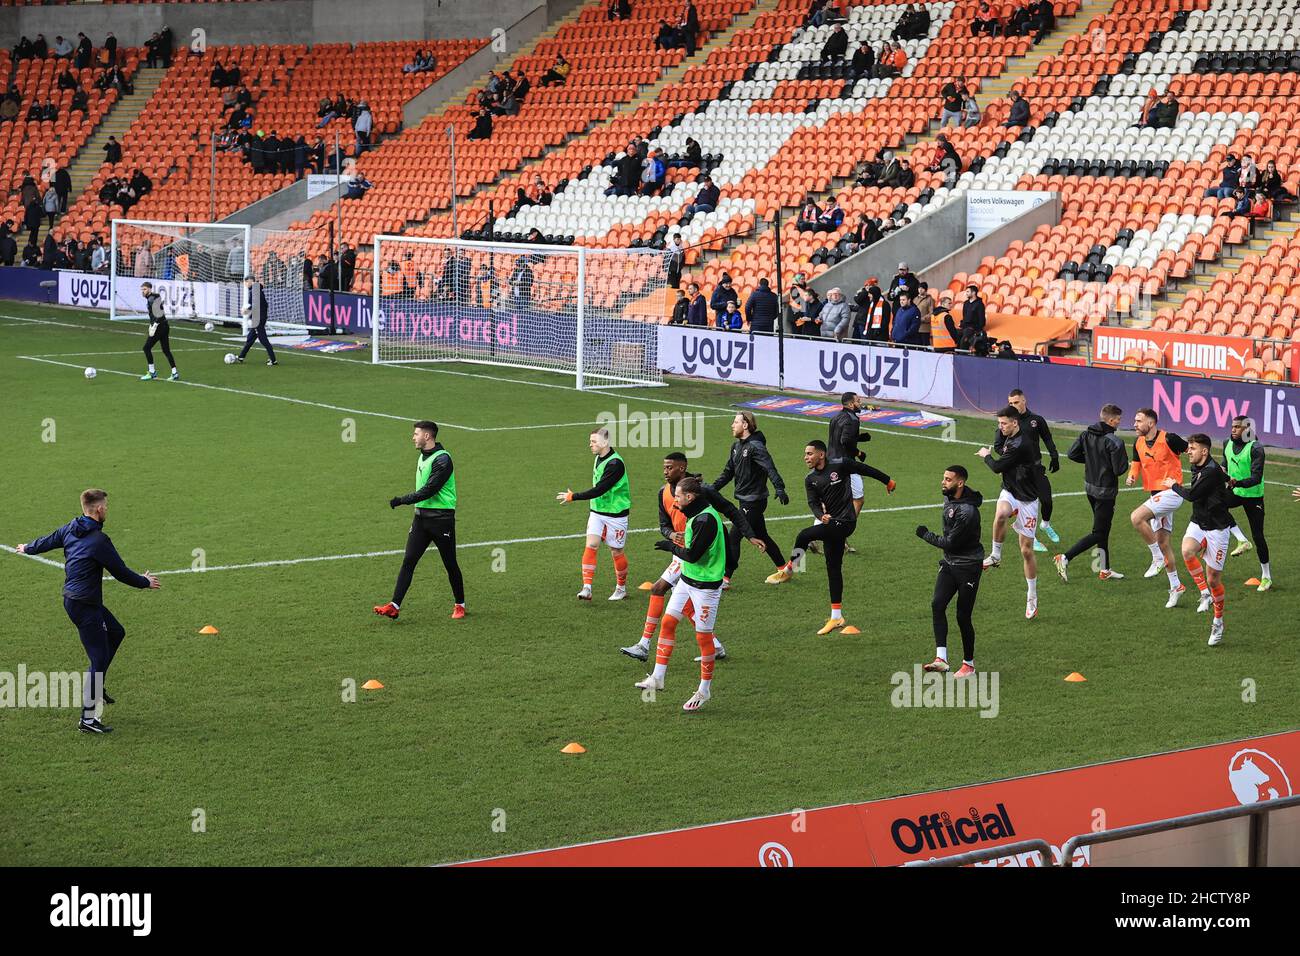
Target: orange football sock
pixel 620 568
pixel 667 638
pixel 1216 592
pixel 1197 570
pixel 588 565
pixel 652 616
pixel 705 640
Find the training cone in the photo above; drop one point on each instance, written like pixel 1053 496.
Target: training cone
pixel 1075 678
pixel 208 629
pixel 849 629
pixel 1252 582
pixel 646 586
pixel 372 684
pixel 573 748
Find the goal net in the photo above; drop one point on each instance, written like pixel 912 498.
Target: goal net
pixel 589 313
pixel 199 270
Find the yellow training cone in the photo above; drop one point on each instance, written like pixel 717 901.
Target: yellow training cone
pixel 573 748
pixel 849 629
pixel 646 586
pixel 1075 678
pixel 208 629
pixel 372 684
pixel 1252 582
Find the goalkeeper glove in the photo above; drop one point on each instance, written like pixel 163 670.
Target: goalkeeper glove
pixel 922 531
pixel 662 545
pixel 394 502
pixel 782 497
pixel 1055 466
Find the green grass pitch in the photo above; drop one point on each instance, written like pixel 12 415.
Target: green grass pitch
pixel 251 726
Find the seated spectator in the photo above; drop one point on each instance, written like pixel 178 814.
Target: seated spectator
pixel 888 226
pixel 421 63
pixel 141 183
pixel 1249 173
pixel 973 320
pixel 507 106
pixel 666 38
pixel 62 48
pixel 730 318
pixel 890 171
pixel 1019 115
pixel 1261 208
pixel 217 78
pixel 228 99
pixel 906 178
pixel 23 49
pixel 620 9
pixel 874 312
pixel 67 81
pixel 906 329
pixel 1019 21
pixel 866 232
pixel 867 172
pixel 836 319
pixel 39 47
pixel 697 313
pixel 945 160
pixel 970 111
pixel 816 14
pixel 808 216
pixel 1229 179
pixel 558 72
pixel 985 21
pixel 706 200
pixel 233 75
pixel 831 218
pixel 1163 113
pixel 535 236
pixel 126 196
pixel 692 158
pixel 913 25
pixel 836 46
pixel 1241 203
pixel 864 60
pixel 482 125
pixel 35 113
pixel 31 253
pixel 356 187
pixel 1044 19
pixel 653 173
pixel 1271 185
pixel 723 293
pixel 762 309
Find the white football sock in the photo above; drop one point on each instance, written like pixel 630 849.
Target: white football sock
pixel 1173 579
pixel 717 644
pixel 151 368
pixel 1033 587
pixel 1264 572
pixel 941 653
pixel 644 643
pixel 1156 554
pixel 997 550
pixel 659 671
pixel 1237 532
pixel 836 614
pixel 705 687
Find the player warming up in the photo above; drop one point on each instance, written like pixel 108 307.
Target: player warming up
pixel 703 556
pixel 672 526
pixel 159 332
pixel 611 503
pixel 959 569
pixel 1208 530
pixel 256 312
pixel 88 553
pixel 1155 458
pixel 1243 460
pixel 842 445
pixel 750 464
pixel 830 498
pixel 1018 501
pixel 434 522
pixel 1101 452
pixel 1035 427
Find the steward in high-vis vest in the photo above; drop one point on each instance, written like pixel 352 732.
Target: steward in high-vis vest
pixel 435 519
pixel 703 557
pixel 611 502
pixel 1243 461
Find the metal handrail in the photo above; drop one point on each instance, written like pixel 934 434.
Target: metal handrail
pixel 1258 812
pixel 1041 847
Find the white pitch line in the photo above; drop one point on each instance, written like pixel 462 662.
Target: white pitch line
pixel 209 348
pixel 31 557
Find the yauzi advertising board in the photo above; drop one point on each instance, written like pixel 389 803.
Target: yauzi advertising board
pixel 811 365
pixel 180 298
pixel 987 209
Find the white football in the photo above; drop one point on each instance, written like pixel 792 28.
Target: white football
pixel 208 326
pixel 229 359
pixel 91 373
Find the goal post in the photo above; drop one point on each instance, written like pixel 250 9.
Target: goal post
pixel 590 313
pixel 199 269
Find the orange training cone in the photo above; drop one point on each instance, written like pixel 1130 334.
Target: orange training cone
pixel 573 748
pixel 849 629
pixel 1075 678
pixel 372 684
pixel 1252 582
pixel 208 629
pixel 644 586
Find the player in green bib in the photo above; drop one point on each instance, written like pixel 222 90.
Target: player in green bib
pixel 611 503
pixel 1243 460
pixel 434 522
pixel 704 559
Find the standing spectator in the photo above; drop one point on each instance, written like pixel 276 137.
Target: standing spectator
pixel 364 122
pixel 903 281
pixel 1019 114
pixel 730 318
pixel 762 308
pixel 558 73
pixel 970 110
pixel 143 264
pixel 674 259
pixel 954 95
pixel 723 293
pixel 697 313
pixel 8 245
pixel 836 46
pixel 347 267
pixel 680 309
pixel 653 173
pixel 63 186
pixel 836 319
pixel 796 298
pixel 706 200
pixel 907 322
pixel 689 27
pixel 620 9
pixel 112 151
pixel 874 311
pixel 152 53
pixel 924 303
pixel 973 320
pixel 110 50
pixel 85 50
pixel 50 203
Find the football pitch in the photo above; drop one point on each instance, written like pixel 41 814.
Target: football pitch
pixel 277 481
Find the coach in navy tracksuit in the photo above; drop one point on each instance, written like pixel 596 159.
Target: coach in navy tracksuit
pixel 88 553
pixel 257 312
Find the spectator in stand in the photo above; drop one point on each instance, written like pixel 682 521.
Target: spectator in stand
pixel 985 21
pixel 836 46
pixel 112 151
pixel 80 102
pixel 864 61
pixel 836 319
pixel 924 303
pixel 906 329
pixel 63 186
pixel 970 110
pixel 890 170
pixel 692 158
pixel 28 190
pixel 31 253
pixel 421 63
pixel 8 245
pixel 50 203
pixel 141 183
pixel 674 260
pixel 40 48
pixel 1019 114
pixel 217 78
pixel 681 307
pixel 627 174
pixel 357 186
pixel 522 86
pixel 1261 208
pixel 67 81
pixel 730 318
pixel 903 282
pixel 152 54
pixel 143 264
pixel 954 95
pixel 697 313
pixel 98 257
pixel 973 320
pixel 866 232
pixel 482 125
pixel 62 49
pixel 1162 113
pixel 906 177
pixel 667 37
pixel 22 51
pixel 166 44
pixel 1240 203
pixel 723 293
pixel 831 218
pixel 706 200
pixel 620 9
pixel 762 309
pixel 913 25
pixel 809 215
pixel 364 123
pixel 1249 173
pixel 508 105
pixel 33 213
pixel 85 50
pixel 1230 179
pixel 1044 19
pixel 558 72
pixel 35 112
pixel 110 50
pixel 945 160
pixel 1271 184
pixel 653 173
pixel 689 28
pixel 874 312
pixel 816 14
